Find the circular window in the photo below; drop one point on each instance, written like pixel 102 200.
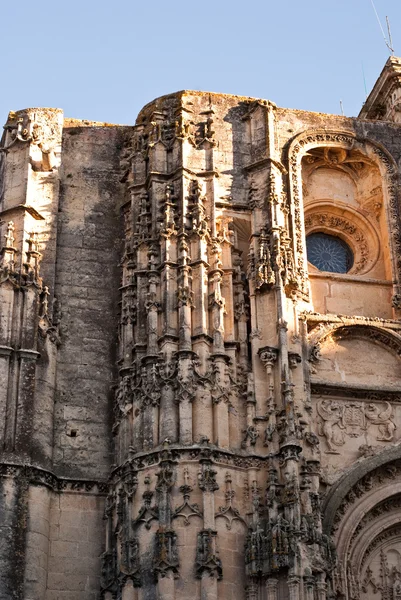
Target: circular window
pixel 329 253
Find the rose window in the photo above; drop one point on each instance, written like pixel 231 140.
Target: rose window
pixel 329 253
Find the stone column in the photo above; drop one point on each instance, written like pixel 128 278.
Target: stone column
pixel 202 415
pixel 309 587
pixel 220 399
pixel 294 588
pixel 268 357
pixel 26 393
pixel 321 587
pixel 168 426
pixel 184 295
pixel 208 586
pixel 13 512
pixel 185 396
pixel 166 560
pixel 166 587
pixel 129 592
pixel 151 412
pixel 271 588
pixel 252 591
pixel 37 543
pixel 5 357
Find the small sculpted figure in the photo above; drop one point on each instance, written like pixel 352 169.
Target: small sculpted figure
pixel 331 425
pixel 382 418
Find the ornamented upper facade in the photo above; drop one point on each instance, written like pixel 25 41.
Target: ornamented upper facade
pixel 200 352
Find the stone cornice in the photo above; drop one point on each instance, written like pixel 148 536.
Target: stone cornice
pixel 225 458
pixel 38 476
pixel 391 71
pixel 316 318
pixel 361 392
pixel 23 208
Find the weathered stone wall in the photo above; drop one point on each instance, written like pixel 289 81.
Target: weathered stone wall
pixel 13 509
pixel 43 339
pixel 190 408
pixel 87 282
pixel 37 542
pixel 76 542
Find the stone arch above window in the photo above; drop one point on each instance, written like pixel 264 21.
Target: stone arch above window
pixel 348 225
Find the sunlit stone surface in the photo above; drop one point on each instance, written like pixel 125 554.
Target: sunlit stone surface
pixel 189 408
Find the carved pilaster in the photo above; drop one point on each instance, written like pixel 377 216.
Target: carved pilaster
pixel 208 484
pixel 268 357
pixel 309 587
pixel 252 591
pixel 294 588
pixel 271 588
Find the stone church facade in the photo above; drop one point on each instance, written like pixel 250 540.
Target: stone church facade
pixel 200 345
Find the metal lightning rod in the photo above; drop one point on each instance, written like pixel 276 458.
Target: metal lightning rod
pixel 389 36
pixel 388 43
pixel 364 82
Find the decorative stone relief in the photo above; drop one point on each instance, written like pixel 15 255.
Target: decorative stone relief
pixel 340 419
pixel 166 553
pixel 228 512
pixel 186 509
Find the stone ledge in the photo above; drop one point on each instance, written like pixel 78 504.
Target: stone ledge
pixel 37 476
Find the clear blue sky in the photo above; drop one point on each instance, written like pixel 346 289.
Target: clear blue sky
pixel 103 61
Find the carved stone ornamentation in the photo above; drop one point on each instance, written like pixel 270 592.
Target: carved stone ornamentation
pixel 207 478
pixel 207 555
pixel 352 231
pixel 225 399
pixel 166 553
pixel 186 509
pixel 353 419
pixel 17 130
pixel 229 512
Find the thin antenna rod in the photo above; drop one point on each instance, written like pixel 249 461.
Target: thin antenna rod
pixel 342 108
pixel 389 36
pixel 382 30
pixel 364 81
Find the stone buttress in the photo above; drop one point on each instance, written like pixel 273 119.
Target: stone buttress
pixel 214 491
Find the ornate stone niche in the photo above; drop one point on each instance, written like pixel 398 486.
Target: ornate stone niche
pixel 343 198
